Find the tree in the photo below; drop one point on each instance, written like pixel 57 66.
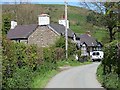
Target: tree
pixel 108 13
pixel 111 17
pixel 5 24
pixel 91 18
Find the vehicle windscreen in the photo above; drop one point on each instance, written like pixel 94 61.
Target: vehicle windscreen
pixel 95 53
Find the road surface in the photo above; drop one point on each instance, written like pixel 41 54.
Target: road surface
pixel 76 77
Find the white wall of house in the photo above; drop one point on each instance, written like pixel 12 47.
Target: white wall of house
pixel 84 50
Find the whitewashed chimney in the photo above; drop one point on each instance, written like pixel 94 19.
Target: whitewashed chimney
pixel 62 22
pixel 43 19
pixel 13 24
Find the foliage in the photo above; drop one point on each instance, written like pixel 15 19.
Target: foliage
pixel 21 78
pixel 71 46
pixel 111 17
pixel 22 62
pixel 110 60
pixel 108 17
pixel 91 18
pixel 6 23
pixel 96 19
pixel 33 55
pixel 60 42
pixel 59 53
pixel 79 53
pixel 17 62
pixel 109 81
pixel 109 70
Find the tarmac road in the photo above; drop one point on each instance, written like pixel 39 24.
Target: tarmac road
pixel 76 77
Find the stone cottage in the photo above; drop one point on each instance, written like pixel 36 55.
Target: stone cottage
pixel 42 34
pixel 87 44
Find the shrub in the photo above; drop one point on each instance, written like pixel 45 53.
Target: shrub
pixel 32 56
pixel 110 57
pixel 19 59
pixel 21 62
pixel 21 78
pixel 71 46
pixel 108 71
pixel 60 43
pixel 49 58
pixel 59 53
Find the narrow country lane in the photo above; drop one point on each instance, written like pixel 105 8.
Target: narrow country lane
pixel 76 77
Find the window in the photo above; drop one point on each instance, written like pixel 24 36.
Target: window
pixel 96 53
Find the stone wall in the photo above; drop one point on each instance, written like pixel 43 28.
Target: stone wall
pixel 42 37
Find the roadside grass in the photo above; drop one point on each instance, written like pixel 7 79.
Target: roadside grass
pixel 100 74
pixel 109 81
pixel 70 62
pixel 41 80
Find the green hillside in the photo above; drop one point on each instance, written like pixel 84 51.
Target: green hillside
pixel 27 14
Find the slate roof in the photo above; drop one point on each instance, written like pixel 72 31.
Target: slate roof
pixel 21 31
pixel 88 40
pixel 61 29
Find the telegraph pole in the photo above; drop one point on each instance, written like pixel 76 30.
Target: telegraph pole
pixel 66 32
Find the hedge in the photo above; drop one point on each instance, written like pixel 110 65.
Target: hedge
pixel 22 62
pixel 109 71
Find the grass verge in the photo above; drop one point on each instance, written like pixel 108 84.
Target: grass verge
pixel 40 81
pixel 71 63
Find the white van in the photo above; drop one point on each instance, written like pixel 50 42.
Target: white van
pixel 96 55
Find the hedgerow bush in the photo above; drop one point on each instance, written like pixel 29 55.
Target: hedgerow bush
pixel 110 60
pixel 21 78
pixel 109 70
pixel 71 46
pixel 21 63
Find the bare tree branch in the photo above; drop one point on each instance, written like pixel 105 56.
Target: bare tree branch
pixel 96 6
